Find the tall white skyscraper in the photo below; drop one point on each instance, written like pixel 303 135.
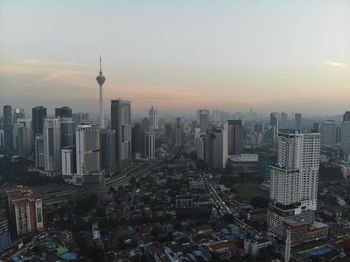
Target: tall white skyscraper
pixel 294 181
pixel 52 146
pixel 153 118
pixel 100 80
pixel 87 149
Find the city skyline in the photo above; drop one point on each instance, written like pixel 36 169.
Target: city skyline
pixel 178 56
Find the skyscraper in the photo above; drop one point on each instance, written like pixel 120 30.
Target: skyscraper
pixel 107 138
pixel 8 140
pixel 274 119
pixel 121 123
pixel 137 140
pixel 216 147
pixel 149 146
pixel 203 117
pixel 39 151
pixel 100 80
pixel 284 121
pixel 328 132
pixel 52 146
pixel 235 137
pixel 179 132
pixel 38 116
pixel 345 134
pixel 63 111
pixel 294 182
pixel 17 114
pixel 87 149
pixel 153 118
pixel 22 137
pixel 297 120
pixel 67 132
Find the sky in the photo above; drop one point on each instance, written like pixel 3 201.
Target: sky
pixel 291 56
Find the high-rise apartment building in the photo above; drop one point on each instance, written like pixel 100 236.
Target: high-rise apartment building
pixel 87 149
pixel 235 137
pixel 216 147
pixel 52 146
pixel 121 123
pixel 38 115
pixel 328 132
pixel 153 118
pixel 294 183
pixel 64 111
pixel 25 209
pixel 297 119
pixel 8 140
pixel 5 236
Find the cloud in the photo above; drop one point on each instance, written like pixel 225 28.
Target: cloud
pixel 336 64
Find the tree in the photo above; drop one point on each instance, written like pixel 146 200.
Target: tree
pixel 260 202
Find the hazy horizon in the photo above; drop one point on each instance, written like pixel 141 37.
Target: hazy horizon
pixel 178 56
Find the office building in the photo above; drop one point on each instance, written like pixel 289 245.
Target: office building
pixel 200 146
pixel 87 149
pixel 203 119
pixel 22 137
pixel 328 132
pixel 80 117
pixel 153 118
pixel 284 121
pixel 346 116
pixel 67 132
pixel 179 132
pixel 297 119
pixel 17 114
pixel 39 151
pixel 25 209
pixel 5 236
pixel 121 123
pixel 149 145
pixel 64 111
pixel 235 137
pixel 8 140
pixel 100 80
pixel 107 138
pixel 2 139
pixel 345 136
pixel 38 115
pixel 294 184
pixel 52 146
pixel 274 119
pixel 145 124
pixel 137 141
pixel 216 147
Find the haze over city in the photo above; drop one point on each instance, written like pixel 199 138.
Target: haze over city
pixel 291 56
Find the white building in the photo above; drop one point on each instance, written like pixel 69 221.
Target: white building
pixel 87 149
pixel 253 246
pixel 153 118
pixel 294 179
pixel 52 146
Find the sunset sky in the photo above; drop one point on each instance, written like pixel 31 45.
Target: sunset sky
pixel 181 55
